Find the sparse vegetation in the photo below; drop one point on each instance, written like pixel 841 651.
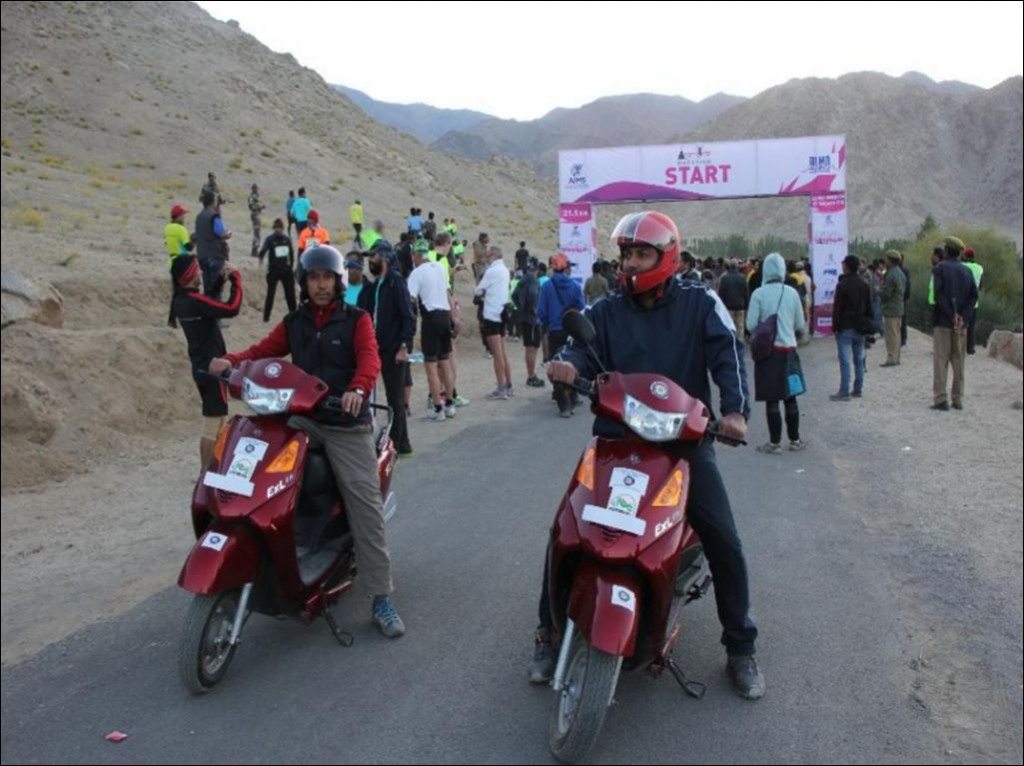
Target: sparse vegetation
pixel 236 162
pixel 25 217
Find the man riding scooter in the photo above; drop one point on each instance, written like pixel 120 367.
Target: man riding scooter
pixel 336 342
pixel 699 337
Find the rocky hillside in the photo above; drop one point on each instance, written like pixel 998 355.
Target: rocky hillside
pixel 614 121
pixel 110 115
pixel 425 122
pixel 913 148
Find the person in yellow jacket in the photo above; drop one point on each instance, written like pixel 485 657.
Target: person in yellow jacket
pixel 976 270
pixel 355 217
pixel 314 231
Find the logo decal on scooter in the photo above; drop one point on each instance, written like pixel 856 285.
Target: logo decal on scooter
pixel 279 487
pixel 664 526
pixel 659 389
pixel 214 541
pixel 272 370
pixel 624 597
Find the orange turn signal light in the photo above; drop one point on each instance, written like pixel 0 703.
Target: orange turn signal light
pixel 671 491
pixel 285 460
pixel 222 438
pixel 585 473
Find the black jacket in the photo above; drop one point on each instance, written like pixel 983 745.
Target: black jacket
pixel 269 249
pixel 393 320
pixel 685 336
pixel 734 291
pixel 198 315
pixel 851 309
pixel 955 292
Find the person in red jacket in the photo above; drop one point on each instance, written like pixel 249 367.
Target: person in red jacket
pixel 336 342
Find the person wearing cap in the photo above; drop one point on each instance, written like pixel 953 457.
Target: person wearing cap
pixel 560 294
pixel 976 270
pixel 428 286
pixel 893 287
pixel 199 316
pixel 280 255
pixel 177 242
pixel 313 233
pixel 387 301
pixel 355 217
pixel 955 298
pixel 255 208
pixel 335 342
pixel 354 270
pixel 300 210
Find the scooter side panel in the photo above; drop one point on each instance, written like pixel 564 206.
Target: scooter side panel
pixel 605 606
pixel 222 558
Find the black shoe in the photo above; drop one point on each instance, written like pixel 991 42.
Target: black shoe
pixel 856 394
pixel 888 364
pixel 839 397
pixel 941 406
pixel 746 677
pixel 535 382
pixel 542 669
pixel 957 406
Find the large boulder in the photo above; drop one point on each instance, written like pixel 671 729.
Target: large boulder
pixel 24 300
pixel 1008 346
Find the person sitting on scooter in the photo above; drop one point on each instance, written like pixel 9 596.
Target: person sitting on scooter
pixel 336 342
pixel 680 329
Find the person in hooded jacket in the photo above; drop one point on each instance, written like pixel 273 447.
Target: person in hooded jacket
pixel 772 376
pixel 558 295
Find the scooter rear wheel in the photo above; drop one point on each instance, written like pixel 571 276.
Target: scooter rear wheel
pixel 588 687
pixel 206 650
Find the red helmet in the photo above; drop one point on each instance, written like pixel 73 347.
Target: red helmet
pixel 656 230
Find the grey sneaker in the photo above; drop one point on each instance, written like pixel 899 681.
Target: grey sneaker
pixel 839 397
pixel 449 411
pixel 797 446
pixel 770 449
pixel 460 400
pixel 435 416
pixel 386 617
pixel 498 394
pixel 746 677
pixel 542 669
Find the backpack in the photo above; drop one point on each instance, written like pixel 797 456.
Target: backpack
pixel 526 296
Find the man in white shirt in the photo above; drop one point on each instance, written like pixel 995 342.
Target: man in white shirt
pixel 427 284
pixel 493 288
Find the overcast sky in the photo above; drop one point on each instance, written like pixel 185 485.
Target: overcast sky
pixel 521 60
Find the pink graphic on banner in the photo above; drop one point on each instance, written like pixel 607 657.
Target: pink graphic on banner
pixel 575 213
pixel 815 186
pixel 621 191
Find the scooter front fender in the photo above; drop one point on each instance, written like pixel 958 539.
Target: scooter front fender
pixel 604 604
pixel 222 558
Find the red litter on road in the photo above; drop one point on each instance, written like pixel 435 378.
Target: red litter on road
pixel 116 736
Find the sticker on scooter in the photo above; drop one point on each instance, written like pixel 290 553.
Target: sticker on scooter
pixel 624 598
pixel 243 467
pixel 629 479
pixel 251 448
pixel 214 541
pixel 624 501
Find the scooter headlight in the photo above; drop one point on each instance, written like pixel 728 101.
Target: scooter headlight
pixel 651 424
pixel 266 401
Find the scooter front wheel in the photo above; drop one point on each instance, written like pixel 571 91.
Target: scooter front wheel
pixel 206 650
pixel 588 687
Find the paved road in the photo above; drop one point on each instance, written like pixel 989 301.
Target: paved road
pixel 467 544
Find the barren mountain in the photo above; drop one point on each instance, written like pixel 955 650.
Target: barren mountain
pixel 112 113
pixel 425 122
pixel 911 150
pixel 614 121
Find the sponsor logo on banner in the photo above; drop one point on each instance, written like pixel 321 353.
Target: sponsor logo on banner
pixel 577 178
pixel 690 154
pixel 828 203
pixel 569 213
pixel 820 163
pixel 828 237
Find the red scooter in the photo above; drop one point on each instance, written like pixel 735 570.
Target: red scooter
pixel 272 536
pixel 623 560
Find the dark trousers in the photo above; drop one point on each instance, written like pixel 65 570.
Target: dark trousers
pixel 285 276
pixel 213 276
pixel 394 375
pixel 970 331
pixel 903 324
pixel 775 420
pixel 172 321
pixel 709 512
pixel 560 392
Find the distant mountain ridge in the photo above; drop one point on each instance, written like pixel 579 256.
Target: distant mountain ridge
pixel 424 122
